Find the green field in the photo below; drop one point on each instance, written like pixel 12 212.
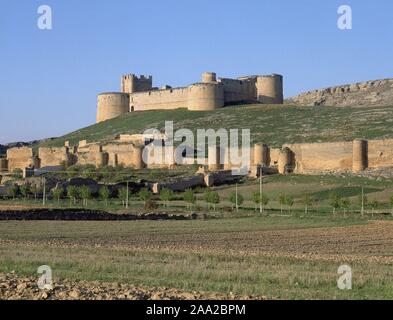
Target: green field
pixel 272 124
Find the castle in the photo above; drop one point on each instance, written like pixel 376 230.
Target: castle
pixel 138 94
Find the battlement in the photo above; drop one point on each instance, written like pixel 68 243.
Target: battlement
pixel 131 83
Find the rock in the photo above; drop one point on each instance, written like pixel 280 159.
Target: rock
pixel 74 294
pixel 22 286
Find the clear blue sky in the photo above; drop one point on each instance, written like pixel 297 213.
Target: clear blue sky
pixel 49 79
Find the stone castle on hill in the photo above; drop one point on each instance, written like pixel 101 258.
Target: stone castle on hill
pixel 138 94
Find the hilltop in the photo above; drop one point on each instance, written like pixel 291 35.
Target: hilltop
pixel 273 124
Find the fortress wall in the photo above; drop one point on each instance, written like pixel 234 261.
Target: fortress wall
pixel 380 153
pixel 313 157
pixel 159 99
pixel 89 154
pixel 239 90
pixel 20 158
pixel 127 155
pixel 53 156
pixel 274 154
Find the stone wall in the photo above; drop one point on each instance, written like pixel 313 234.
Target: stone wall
pixel 318 157
pixel 239 90
pixel 380 153
pixel 20 158
pixel 54 156
pixel 159 99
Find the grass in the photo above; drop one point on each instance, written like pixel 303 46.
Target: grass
pixel 70 249
pixel 272 124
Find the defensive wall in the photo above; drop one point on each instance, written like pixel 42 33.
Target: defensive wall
pixel 138 94
pixel 302 158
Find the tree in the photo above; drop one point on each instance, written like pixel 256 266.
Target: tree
pixel 282 200
pixel 256 198
pixel 35 190
pixel 289 201
pixel 57 193
pixel 236 199
pixel 12 191
pixel 363 202
pixel 307 201
pixel 264 200
pixel 207 197
pixel 166 195
pixel 84 193
pixel 104 194
pixel 215 199
pixel 334 201
pixel 72 193
pixel 345 204
pixel 374 204
pixel 145 195
pixel 122 195
pixel 189 197
pixel 24 190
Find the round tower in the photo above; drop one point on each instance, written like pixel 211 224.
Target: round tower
pixel 261 154
pixel 285 161
pixel 360 155
pixel 205 96
pixel 111 105
pixel 137 158
pixel 209 77
pixel 270 89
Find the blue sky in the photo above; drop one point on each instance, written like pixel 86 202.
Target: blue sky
pixel 50 78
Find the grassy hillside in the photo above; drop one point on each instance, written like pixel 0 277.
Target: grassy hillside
pixel 274 125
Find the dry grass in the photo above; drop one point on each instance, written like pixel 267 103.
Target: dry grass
pixel 275 257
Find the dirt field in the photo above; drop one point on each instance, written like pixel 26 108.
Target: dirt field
pixel 274 257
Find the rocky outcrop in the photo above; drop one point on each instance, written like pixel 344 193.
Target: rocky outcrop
pixel 370 93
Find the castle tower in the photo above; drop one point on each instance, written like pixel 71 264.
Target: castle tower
pixel 209 77
pixel 111 105
pixel 205 96
pixel 360 155
pixel 261 151
pixel 130 83
pixel 270 89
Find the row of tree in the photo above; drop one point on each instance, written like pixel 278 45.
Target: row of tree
pixel 211 197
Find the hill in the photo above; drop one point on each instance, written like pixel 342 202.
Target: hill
pixel 272 124
pixel 370 93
